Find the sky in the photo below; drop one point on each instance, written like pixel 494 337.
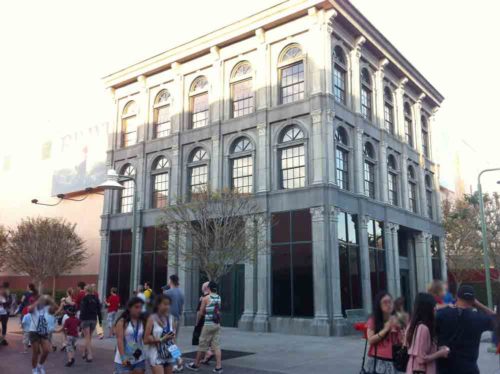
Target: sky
pixel 55 52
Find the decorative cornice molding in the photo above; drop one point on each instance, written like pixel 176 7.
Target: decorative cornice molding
pixel 215 52
pixel 402 83
pixel 317 213
pixel 142 80
pixel 260 34
pixel 382 64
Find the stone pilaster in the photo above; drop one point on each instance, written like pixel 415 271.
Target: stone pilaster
pixel 318 147
pixel 364 256
pixel 177 101
pixel 404 180
pixel 262 159
pixel 417 127
pixel 379 93
pixel 384 193
pixel 330 146
pixel 442 259
pixel 358 162
pixel 399 115
pixel 395 250
pixel 389 258
pixel 261 320
pixel 355 73
pixel 215 164
pixel 320 246
pixel 143 109
pixel 102 286
pixel 339 325
pixel 422 191
pixel 246 320
pixel 261 74
pixel 215 91
pixel 422 261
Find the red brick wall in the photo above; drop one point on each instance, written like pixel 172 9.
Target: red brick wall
pixel 62 283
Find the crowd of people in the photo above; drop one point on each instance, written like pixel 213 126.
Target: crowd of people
pixel 146 329
pixel 441 336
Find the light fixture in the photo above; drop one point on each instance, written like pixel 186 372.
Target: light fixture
pixel 111 183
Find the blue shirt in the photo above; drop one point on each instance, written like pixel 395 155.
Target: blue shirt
pixel 177 305
pixel 461 330
pixel 26 322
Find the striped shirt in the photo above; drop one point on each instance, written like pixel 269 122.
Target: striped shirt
pixel 210 309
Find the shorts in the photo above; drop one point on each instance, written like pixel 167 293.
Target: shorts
pixel 111 319
pixel 37 338
pixel 71 343
pixel 119 368
pixel 88 325
pixel 209 338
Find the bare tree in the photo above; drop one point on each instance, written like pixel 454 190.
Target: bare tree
pixel 492 218
pixel 44 248
pixel 223 230
pixel 463 249
pixel 3 243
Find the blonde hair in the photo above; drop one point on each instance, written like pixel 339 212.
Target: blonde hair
pixel 436 288
pixel 90 288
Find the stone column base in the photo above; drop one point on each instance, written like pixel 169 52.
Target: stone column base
pixel 189 318
pixel 321 326
pixel 339 327
pixel 261 323
pixel 246 322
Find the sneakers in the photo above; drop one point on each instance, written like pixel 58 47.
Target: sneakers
pixel 192 367
pixel 34 371
pixel 41 369
pixel 178 369
pixel 70 363
pixel 219 370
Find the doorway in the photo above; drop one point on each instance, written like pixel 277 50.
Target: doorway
pixel 405 288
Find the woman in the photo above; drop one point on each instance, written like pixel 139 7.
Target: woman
pixel 39 331
pixel 383 331
pixel 129 329
pixel 159 336
pixel 421 337
pixel 66 304
pixel 90 313
pixel 438 290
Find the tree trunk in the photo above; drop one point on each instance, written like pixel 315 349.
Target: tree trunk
pixel 40 287
pixel 54 287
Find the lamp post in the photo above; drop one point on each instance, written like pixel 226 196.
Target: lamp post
pixel 112 183
pixel 486 255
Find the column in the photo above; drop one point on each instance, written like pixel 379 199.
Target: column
pixel 246 321
pixel 216 82
pixel 389 258
pixel 173 251
pixel 143 105
pixel 185 273
pixel 315 48
pixel 178 98
pixel 404 179
pixel 339 325
pixel 262 159
pixel 358 162
pixel 330 146
pixel 395 249
pixel 261 320
pixel 102 287
pixel 355 55
pixel 399 110
pixel 384 193
pixel 262 70
pixel 417 113
pixel 364 257
pixel 215 160
pixel 428 244
pixel 412 266
pixel 321 324
pixel 422 190
pixel 318 151
pixel 379 93
pixel 421 263
pixel 442 258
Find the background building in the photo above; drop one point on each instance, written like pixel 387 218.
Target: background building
pixel 307 106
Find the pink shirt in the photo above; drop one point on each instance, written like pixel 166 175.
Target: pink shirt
pixel 384 347
pixel 421 346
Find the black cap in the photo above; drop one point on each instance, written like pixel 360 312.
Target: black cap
pixel 466 292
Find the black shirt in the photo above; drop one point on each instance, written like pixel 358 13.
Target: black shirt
pixel 461 330
pixel 90 308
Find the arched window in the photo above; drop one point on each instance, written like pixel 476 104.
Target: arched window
pixel 408 124
pixel 198 171
pixel 160 182
pixel 291 72
pixel 392 180
pixel 425 136
pixel 242 165
pixel 127 194
pixel 242 90
pixel 369 170
pixel 429 196
pixel 162 115
pixel 389 111
pixel 366 94
pixel 292 157
pixel 129 124
pixel 199 102
pixel 342 157
pixel 339 74
pixel 412 189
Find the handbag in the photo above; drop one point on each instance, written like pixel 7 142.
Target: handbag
pixel 400 357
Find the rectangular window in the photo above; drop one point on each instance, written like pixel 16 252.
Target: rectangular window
pixel 119 261
pixel 160 190
pixel 293 169
pixel 339 84
pixel 243 102
pixel 198 178
pixel 425 143
pixel 366 103
pixel 436 258
pixel 389 118
pixel 393 188
pixel 154 257
pixel 129 133
pixel 292 83
pixel 291 264
pixel 412 196
pixel 162 127
pixel 243 174
pixel 349 261
pixel 409 132
pixel 342 163
pixel 200 110
pixel 376 247
pixel 127 197
pixel 369 174
pixel 428 199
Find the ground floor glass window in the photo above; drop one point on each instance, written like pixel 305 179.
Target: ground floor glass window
pixel 378 270
pixel 154 257
pixel 119 262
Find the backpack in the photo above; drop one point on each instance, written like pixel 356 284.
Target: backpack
pixel 216 317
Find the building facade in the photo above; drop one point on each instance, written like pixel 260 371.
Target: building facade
pixel 309 108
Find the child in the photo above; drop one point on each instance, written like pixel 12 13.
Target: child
pixel 70 327
pixel 112 303
pixel 26 323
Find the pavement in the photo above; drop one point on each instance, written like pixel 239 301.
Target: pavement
pixel 267 353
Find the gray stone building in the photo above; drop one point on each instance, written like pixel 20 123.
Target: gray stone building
pixel 311 109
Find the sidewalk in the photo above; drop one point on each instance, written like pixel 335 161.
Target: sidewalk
pixel 278 353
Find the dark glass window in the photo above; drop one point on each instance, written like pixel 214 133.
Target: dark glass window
pixel 154 257
pixel 292 83
pixel 388 111
pixel 366 95
pixel 378 271
pixel 120 249
pixel 293 161
pixel 349 261
pixel 242 166
pixel 429 196
pixel 160 175
pixel 339 75
pixel 291 264
pixel 392 180
pixel 199 103
pixel 425 137
pixel 127 194
pixel 198 171
pixel 412 196
pixel 369 179
pixel 436 260
pixel 408 125
pixel 342 158
pixel 162 115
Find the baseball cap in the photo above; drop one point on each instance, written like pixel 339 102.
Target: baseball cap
pixel 466 292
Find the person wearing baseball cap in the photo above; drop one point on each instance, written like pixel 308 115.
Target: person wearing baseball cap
pixel 460 329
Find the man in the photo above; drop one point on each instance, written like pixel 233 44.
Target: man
pixel 80 295
pixel 210 334
pixel 148 292
pixel 460 329
pixel 176 307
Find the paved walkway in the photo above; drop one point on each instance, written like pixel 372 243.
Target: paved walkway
pixel 270 354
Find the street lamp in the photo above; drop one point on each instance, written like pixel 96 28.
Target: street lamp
pixel 112 183
pixel 486 255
